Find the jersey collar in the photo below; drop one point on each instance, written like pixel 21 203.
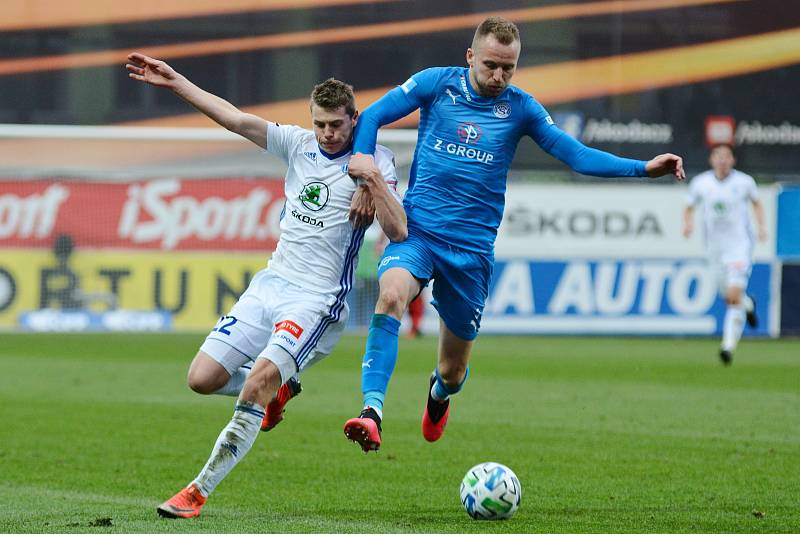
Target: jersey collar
pixel 337 155
pixel 474 94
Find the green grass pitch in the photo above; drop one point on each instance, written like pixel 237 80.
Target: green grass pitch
pixel 605 434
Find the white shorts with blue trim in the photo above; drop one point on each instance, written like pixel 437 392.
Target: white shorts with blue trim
pixel 280 321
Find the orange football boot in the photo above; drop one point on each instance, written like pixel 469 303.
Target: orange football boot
pixel 186 503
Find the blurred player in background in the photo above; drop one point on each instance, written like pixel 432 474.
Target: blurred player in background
pixel 294 311
pixel 726 195
pixel 471 120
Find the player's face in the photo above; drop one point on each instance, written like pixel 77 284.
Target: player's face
pixel 332 128
pixel 722 161
pixel 491 65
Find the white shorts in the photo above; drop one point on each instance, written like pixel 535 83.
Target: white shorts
pixel 732 273
pixel 280 321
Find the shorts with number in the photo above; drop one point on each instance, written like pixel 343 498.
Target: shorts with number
pixel 460 278
pixel 280 321
pixel 732 273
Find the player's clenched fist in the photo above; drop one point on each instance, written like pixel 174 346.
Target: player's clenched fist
pixel 360 165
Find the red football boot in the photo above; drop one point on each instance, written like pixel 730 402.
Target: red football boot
pixel 434 418
pixel 365 430
pixel 275 408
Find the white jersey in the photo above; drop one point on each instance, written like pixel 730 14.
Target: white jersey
pixel 318 246
pixel 726 213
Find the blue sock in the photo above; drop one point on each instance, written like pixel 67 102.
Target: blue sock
pixel 379 360
pixel 441 392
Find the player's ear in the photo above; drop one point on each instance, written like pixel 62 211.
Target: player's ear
pixel 355 117
pixel 470 56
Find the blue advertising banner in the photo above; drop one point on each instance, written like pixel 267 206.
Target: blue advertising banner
pixel 788 232
pixel 632 296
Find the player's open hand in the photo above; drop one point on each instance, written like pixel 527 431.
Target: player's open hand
pixel 362 207
pixel 152 71
pixel 666 164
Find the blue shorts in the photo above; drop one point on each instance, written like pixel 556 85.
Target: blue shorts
pixel 460 278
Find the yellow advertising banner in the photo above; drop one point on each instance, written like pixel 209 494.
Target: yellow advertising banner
pixel 192 288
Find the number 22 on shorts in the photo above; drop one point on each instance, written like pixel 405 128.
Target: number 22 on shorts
pixel 225 322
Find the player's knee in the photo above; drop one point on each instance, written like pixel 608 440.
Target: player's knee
pixel 203 383
pixel 391 301
pixel 733 298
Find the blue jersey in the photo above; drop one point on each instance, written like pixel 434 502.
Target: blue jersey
pixel 465 146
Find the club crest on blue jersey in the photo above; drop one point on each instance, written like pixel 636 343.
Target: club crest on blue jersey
pixel 502 110
pixel 469 132
pixel 314 196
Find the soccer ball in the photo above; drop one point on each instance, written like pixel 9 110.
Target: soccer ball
pixel 490 491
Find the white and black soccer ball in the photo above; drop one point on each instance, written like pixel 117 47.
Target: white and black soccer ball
pixel 490 491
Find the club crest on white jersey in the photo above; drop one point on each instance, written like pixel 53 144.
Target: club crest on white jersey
pixel 315 196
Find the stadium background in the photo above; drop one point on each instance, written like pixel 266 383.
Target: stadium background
pixel 162 233
pixel 166 222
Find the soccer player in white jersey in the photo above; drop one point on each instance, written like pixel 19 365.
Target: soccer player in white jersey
pixel 294 311
pixel 726 195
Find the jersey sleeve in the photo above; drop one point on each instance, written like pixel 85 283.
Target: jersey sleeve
pixel 752 189
pixel 414 93
pixel 282 140
pixel 384 159
pixel 581 158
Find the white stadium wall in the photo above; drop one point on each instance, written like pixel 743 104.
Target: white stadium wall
pixel 611 259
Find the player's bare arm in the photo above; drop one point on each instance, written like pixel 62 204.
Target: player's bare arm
pixel 666 164
pixel 158 73
pixel 362 207
pixel 688 221
pixel 758 210
pixel 390 213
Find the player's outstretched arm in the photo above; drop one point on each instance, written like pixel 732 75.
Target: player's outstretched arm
pixel 666 164
pixel 390 213
pixel 160 74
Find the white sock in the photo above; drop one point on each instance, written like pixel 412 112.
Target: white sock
pixel 748 303
pixel 235 383
pixel 732 327
pixel 232 444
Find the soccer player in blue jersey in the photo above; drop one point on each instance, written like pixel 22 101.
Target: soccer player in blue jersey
pixel 471 120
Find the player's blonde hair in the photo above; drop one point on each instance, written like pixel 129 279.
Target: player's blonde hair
pixel 333 94
pixel 505 31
